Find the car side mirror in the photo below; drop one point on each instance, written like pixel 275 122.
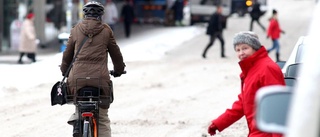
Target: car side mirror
pixel 272 108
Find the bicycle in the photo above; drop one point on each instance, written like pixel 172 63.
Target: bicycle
pixel 87 100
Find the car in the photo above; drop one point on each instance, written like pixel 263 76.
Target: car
pixel 296 54
pixel 273 101
pixel 294 111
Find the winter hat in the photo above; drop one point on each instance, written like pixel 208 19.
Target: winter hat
pixel 247 37
pixel 30 15
pixel 274 12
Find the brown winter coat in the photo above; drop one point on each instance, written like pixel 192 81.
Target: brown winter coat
pixel 92 60
pixel 28 37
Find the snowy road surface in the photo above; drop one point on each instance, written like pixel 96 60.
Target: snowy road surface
pixel 169 90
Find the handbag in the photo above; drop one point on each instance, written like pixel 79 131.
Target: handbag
pixel 59 93
pixel 60 89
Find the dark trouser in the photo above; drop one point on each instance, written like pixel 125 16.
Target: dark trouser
pixel 127 28
pixel 256 20
pixel 275 46
pixel 212 38
pixel 31 56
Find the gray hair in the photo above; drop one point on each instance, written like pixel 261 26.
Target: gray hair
pixel 247 37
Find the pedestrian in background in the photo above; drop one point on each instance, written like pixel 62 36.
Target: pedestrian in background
pixel 127 15
pixel 111 14
pixel 93 54
pixel 178 12
pixel 255 15
pixel 274 31
pixel 258 70
pixel 215 28
pixel 28 39
pixel 169 14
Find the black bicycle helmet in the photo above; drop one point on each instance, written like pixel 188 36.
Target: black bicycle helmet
pixel 93 9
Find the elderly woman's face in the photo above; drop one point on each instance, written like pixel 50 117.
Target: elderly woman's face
pixel 244 50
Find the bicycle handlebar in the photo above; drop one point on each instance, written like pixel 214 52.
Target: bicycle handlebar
pixel 111 72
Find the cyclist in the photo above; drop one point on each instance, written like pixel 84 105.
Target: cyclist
pixel 92 61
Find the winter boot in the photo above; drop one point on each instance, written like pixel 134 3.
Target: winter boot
pixel 76 128
pixel 204 55
pixel 32 56
pixel 222 52
pixel 205 52
pixel 278 57
pixel 20 58
pixel 223 55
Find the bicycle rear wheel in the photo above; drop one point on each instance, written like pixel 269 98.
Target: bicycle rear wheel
pixel 87 129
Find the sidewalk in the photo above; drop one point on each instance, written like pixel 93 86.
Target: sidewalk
pixel 53 47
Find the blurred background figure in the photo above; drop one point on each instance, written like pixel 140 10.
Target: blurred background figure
pixel 169 17
pixel 127 15
pixel 255 15
pixel 215 28
pixel 178 12
pixel 274 31
pixel 28 39
pixel 111 14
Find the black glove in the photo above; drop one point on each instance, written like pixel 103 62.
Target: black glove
pixel 116 74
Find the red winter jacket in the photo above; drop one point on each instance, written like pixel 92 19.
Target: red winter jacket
pixel 258 71
pixel 274 29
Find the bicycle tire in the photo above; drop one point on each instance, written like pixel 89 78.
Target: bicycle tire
pixel 86 128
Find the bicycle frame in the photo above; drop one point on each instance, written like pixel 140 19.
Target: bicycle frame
pixel 87 101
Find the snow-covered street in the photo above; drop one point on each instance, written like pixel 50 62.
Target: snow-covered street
pixel 169 89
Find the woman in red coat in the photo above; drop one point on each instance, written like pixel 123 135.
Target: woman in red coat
pixel 274 31
pixel 258 70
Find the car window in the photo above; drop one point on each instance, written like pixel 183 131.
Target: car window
pixel 299 53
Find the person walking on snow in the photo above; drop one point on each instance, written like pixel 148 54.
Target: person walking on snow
pixel 111 14
pixel 274 31
pixel 215 28
pixel 127 14
pixel 28 39
pixel 178 12
pixel 258 70
pixel 255 15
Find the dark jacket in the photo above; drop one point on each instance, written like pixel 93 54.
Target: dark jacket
pixel 127 13
pixel 216 23
pixel 256 13
pixel 258 70
pixel 178 9
pixel 92 60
